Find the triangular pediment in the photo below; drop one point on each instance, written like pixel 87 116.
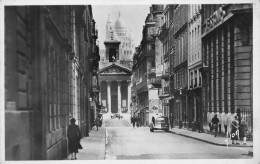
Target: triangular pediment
pixel 115 69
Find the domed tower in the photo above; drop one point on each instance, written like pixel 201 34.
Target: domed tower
pixel 120 27
pixel 126 48
pixel 109 28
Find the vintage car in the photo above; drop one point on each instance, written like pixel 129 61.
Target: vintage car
pixel 160 123
pixel 116 115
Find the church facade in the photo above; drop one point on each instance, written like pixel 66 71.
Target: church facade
pixel 115 68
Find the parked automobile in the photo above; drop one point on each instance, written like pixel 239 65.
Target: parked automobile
pixel 160 123
pixel 117 115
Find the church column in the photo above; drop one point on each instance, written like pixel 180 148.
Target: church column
pixel 109 96
pixel 128 95
pixel 119 95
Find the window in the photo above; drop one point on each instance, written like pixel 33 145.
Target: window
pixel 153 63
pixel 200 79
pixel 112 54
pixel 54 87
pixel 191 78
pixel 153 47
pixel 182 46
pixel 149 47
pixel 195 78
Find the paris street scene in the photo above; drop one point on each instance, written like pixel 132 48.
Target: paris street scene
pixel 128 82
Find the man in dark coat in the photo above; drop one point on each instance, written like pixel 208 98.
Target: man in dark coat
pixel 215 122
pixel 74 137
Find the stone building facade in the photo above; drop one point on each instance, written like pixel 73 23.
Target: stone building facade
pixel 46 58
pixel 227 47
pixel 194 66
pixel 180 66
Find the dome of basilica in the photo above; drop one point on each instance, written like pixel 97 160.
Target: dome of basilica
pixel 119 24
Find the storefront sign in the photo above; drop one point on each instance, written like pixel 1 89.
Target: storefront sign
pixel 215 18
pixel 165 102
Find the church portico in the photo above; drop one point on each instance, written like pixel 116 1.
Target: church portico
pixel 115 89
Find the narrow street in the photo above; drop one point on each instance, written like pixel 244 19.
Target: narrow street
pixel 185 69
pixel 118 140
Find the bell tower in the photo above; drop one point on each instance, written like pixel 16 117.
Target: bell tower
pixel 112 48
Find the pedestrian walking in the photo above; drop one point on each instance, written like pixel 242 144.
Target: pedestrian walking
pixel 97 121
pixel 215 122
pixel 244 130
pixel 74 137
pixel 153 120
pixel 234 130
pixel 134 120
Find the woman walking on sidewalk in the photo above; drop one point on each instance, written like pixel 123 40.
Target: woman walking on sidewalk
pixel 215 122
pixel 244 130
pixel 234 131
pixel 74 137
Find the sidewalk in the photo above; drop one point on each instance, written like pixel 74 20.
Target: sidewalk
pixel 209 138
pixel 93 146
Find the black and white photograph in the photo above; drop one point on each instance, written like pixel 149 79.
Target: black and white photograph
pixel 143 81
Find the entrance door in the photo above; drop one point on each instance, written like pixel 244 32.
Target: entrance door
pixel 114 104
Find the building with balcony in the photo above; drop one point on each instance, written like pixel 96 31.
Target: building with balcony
pixel 194 67
pixel 164 37
pixel 145 95
pixel 179 56
pixel 46 78
pixel 227 72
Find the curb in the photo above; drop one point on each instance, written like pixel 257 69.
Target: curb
pixel 213 143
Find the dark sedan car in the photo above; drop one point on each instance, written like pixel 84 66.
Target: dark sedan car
pixel 160 123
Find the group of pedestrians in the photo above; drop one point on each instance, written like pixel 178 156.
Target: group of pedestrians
pixel 237 131
pixel 135 121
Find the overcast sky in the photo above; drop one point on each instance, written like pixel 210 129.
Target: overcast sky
pixel 132 15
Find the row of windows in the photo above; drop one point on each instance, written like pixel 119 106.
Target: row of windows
pixel 57 95
pixel 195 79
pixel 127 45
pixel 121 34
pixel 195 42
pixel 127 52
pixel 181 49
pixel 180 16
pixel 180 79
pixel 219 50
